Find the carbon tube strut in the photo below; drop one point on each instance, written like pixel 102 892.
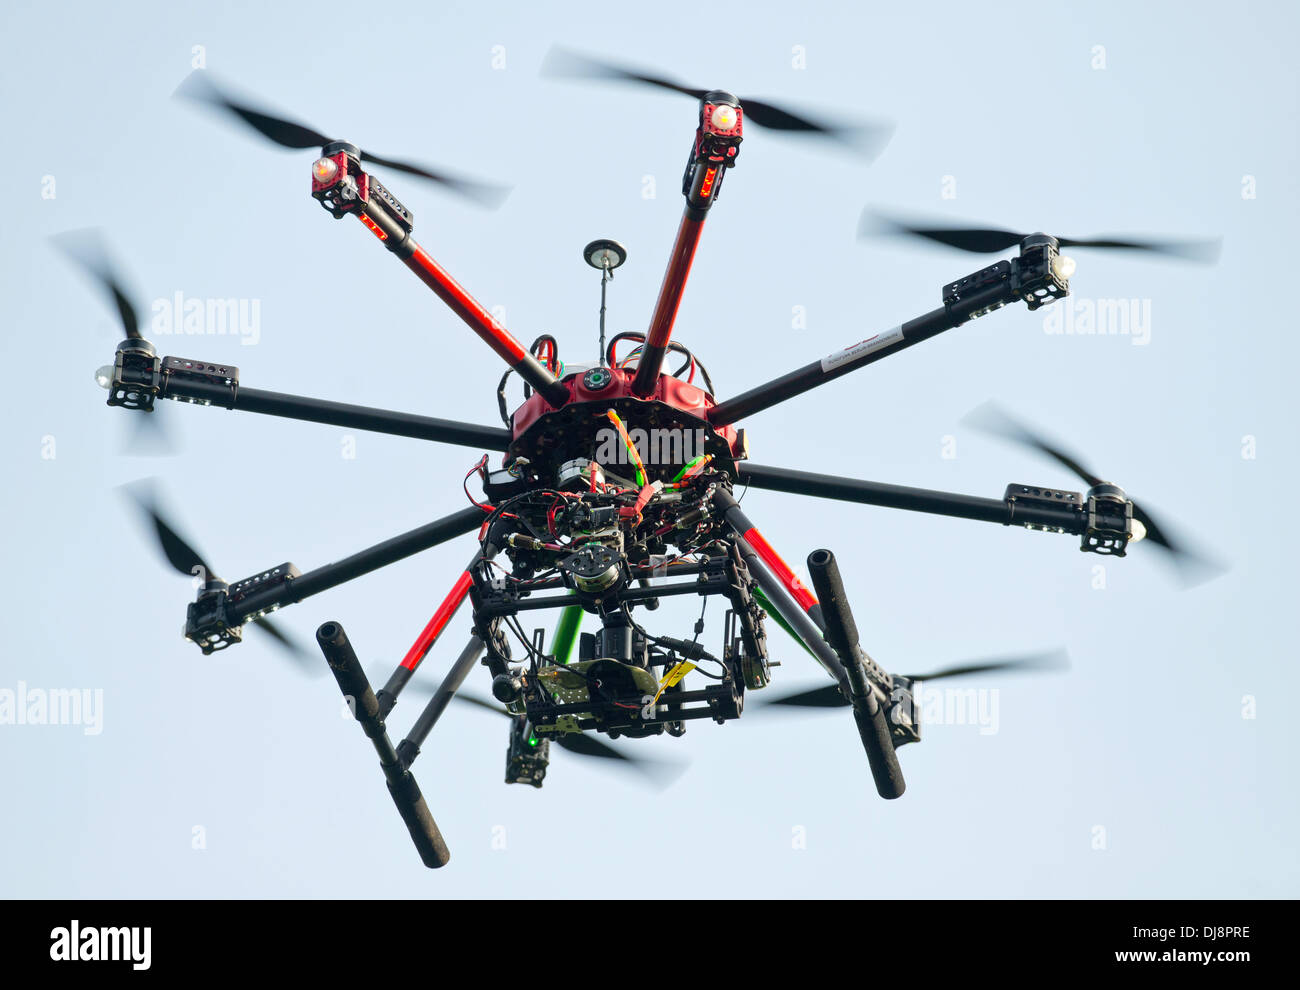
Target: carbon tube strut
pixel 995 510
pixel 789 581
pixel 777 589
pixel 402 787
pixel 670 298
pixel 381 555
pixel 868 713
pixel 859 355
pixel 399 241
pixel 409 748
pixel 343 414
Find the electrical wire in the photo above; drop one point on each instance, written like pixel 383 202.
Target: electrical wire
pixel 632 452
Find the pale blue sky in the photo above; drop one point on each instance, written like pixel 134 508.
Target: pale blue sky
pixel 1143 737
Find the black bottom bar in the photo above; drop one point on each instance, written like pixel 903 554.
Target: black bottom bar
pixel 405 791
pixel 343 414
pixel 874 493
pixel 868 713
pixel 891 342
pixel 409 748
pixel 380 555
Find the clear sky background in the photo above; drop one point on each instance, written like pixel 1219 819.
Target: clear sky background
pixel 1144 738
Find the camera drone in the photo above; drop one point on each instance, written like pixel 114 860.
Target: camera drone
pixel 575 518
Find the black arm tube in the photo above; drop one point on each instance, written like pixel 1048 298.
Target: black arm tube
pixel 863 353
pixel 409 748
pixel 794 616
pixel 789 610
pixel 842 634
pixel 380 555
pixel 343 414
pixel 402 787
pixel 996 510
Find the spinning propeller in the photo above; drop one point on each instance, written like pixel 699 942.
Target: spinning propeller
pixel 86 249
pixel 869 138
pixel 990 240
pixel 829 696
pixel 186 560
pixel 289 134
pixel 658 773
pixel 991 419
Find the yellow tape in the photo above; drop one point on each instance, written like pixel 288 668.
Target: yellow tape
pixel 673 676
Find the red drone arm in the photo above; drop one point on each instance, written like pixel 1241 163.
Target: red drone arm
pixel 346 188
pixel 717 142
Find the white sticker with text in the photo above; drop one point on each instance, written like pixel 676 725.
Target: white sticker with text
pixel 863 347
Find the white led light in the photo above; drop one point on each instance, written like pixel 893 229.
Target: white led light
pixel 1063 267
pixel 724 117
pixel 104 376
pixel 324 169
pixel 1139 531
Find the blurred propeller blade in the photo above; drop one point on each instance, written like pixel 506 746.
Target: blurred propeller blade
pixel 176 549
pixel 1193 566
pixel 585 745
pixel 1204 252
pixel 484 193
pixel 306 660
pixel 992 419
pixel 828 696
pixel 199 87
pixel 149 435
pixel 180 553
pixel 287 133
pixel 656 772
pixel 1056 660
pixel 869 138
pixel 989 240
pixel 471 699
pixel 565 63
pixel 86 248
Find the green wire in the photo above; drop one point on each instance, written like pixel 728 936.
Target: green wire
pixel 766 604
pixel 687 467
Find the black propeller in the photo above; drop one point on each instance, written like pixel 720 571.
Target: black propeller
pixel 829 696
pixel 289 134
pixel 870 138
pixel 186 560
pixel 656 772
pixel 86 249
pixel 989 240
pixel 1193 566
pixel 1057 660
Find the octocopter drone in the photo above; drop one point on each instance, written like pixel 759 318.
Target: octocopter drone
pixel 615 487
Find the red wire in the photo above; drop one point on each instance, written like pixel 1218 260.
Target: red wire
pixel 552 358
pixel 465 485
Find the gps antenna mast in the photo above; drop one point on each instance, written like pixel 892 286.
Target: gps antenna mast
pixel 605 255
